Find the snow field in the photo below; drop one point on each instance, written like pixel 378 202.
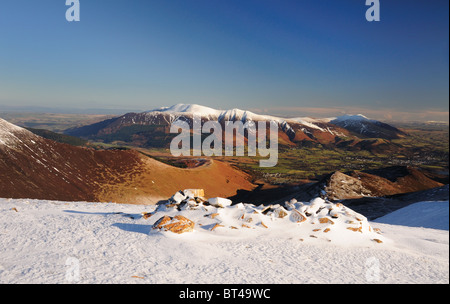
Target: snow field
pixel 62 242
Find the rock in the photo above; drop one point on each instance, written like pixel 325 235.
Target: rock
pixel 213 215
pixel 146 215
pixel 219 202
pixel 199 200
pixel 280 212
pixel 325 220
pixel 194 193
pixel 162 222
pixel 334 215
pixel 178 197
pixel 191 204
pixel 266 209
pixel 216 226
pixel 296 216
pixel 341 186
pixel 178 224
pixel 289 205
pixel 355 229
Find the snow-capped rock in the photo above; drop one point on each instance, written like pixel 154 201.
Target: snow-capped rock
pixel 316 220
pixel 219 202
pixel 177 224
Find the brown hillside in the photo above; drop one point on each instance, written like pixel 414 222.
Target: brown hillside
pixel 154 181
pixel 37 168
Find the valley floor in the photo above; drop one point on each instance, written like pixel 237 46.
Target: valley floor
pixel 62 242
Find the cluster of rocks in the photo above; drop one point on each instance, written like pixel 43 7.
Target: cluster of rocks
pixel 316 219
pixel 190 199
pixel 193 199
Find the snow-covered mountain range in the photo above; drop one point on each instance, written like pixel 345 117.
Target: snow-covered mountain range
pixel 343 130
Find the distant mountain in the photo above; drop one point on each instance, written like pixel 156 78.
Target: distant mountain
pixel 33 167
pixel 361 125
pixel 151 128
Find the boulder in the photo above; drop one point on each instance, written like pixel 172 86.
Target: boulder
pixel 147 215
pixel 325 220
pixel 177 224
pixel 280 212
pixel 219 202
pixel 297 217
pixel 178 197
pixel 194 193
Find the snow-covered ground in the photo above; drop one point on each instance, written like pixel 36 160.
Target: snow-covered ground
pixel 77 242
pixel 424 214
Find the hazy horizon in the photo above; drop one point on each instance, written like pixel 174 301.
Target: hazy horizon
pixel 382 114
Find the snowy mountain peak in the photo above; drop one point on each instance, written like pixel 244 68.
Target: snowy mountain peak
pixel 188 108
pixel 357 117
pixel 232 114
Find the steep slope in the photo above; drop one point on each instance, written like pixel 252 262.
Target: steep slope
pixel 34 167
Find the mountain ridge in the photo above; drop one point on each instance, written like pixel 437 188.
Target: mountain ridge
pixel 292 131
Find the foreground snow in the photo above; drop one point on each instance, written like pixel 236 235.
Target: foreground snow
pixel 61 242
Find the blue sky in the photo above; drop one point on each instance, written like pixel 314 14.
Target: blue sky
pixel 287 57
